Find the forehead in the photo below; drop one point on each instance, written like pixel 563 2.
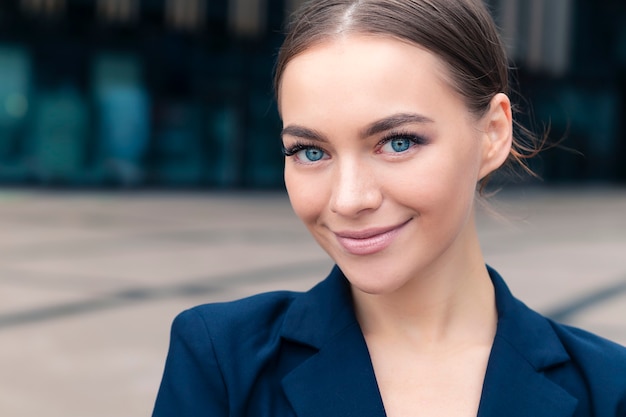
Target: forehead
pixel 360 73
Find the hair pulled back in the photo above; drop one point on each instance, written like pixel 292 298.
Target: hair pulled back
pixel 460 32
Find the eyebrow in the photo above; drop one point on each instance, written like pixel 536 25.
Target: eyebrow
pixel 379 126
pixel 303 132
pixel 394 121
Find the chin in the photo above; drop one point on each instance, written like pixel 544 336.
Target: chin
pixel 371 280
pixel 372 289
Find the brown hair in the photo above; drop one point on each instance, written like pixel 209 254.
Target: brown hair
pixel 461 32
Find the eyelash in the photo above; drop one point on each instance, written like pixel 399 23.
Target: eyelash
pixel 301 146
pixel 414 138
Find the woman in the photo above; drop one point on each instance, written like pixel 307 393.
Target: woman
pixel 394 111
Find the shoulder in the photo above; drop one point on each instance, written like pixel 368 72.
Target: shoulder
pixel 598 363
pixel 239 337
pixel 264 304
pixel 236 320
pixel 590 368
pixel 220 345
pixel 590 350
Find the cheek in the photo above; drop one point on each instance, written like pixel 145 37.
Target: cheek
pixel 307 197
pixel 436 185
pixel 459 166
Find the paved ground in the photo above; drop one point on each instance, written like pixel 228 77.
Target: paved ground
pixel 89 283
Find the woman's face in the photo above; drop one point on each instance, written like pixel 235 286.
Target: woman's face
pixel 382 160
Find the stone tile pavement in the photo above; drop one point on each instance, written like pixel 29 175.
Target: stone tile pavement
pixel 90 282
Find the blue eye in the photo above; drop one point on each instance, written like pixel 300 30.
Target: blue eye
pixel 310 154
pixel 398 144
pixel 305 153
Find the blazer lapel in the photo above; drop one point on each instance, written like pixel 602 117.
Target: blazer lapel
pixel 524 347
pixel 337 380
pixel 513 388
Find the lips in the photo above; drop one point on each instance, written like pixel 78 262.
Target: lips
pixel 368 241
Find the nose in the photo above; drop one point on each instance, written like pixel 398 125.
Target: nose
pixel 355 189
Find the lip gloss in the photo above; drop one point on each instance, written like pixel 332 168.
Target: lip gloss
pixel 368 245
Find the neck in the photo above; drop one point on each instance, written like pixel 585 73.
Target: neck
pixel 452 304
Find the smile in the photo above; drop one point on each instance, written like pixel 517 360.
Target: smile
pixel 369 241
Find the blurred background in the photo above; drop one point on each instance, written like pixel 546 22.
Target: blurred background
pixel 177 93
pixel 141 174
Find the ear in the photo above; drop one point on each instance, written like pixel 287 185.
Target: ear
pixel 497 134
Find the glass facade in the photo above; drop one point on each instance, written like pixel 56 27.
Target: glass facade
pixel 177 93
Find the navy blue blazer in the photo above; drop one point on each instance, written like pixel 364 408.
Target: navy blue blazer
pixel 303 354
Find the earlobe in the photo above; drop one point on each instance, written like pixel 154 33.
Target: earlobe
pixel 498 134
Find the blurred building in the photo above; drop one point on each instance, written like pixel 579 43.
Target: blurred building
pixel 177 93
pixel 570 57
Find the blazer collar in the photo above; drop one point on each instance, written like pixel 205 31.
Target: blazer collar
pixel 525 347
pixel 318 315
pixel 339 380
